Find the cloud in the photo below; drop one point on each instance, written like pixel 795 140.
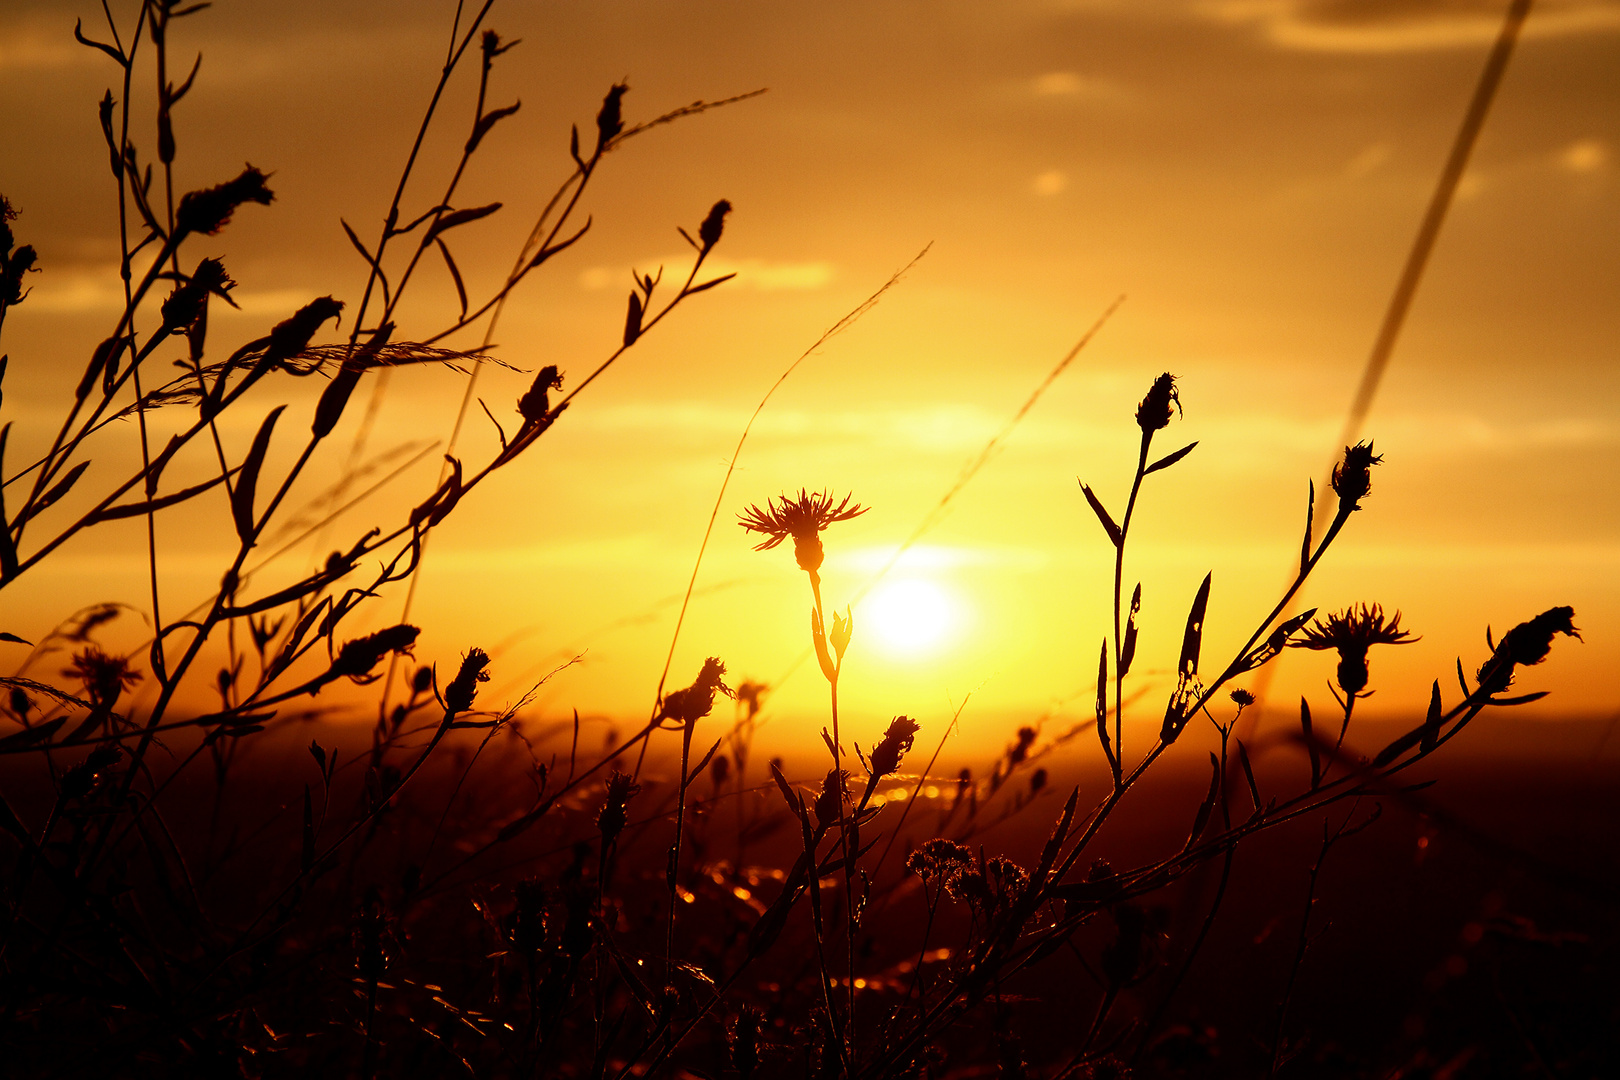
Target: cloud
pixel 762 274
pixel 1393 26
pixel 1050 182
pixel 1072 84
pixel 1585 156
pixel 1368 161
pixel 98 289
pixel 38 45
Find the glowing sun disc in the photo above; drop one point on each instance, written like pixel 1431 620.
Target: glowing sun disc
pixel 909 616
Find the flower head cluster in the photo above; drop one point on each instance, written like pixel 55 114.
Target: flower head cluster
pixel 938 860
pixel 1007 881
pixel 1351 633
pixel 1352 477
pixel 802 517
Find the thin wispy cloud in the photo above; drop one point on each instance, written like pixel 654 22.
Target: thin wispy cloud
pixel 39 44
pixel 99 291
pixel 1395 26
pixel 764 275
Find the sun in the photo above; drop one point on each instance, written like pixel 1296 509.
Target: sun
pixel 910 617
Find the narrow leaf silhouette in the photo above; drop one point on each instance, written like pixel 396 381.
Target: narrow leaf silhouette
pixel 1102 515
pixel 1169 459
pixel 247 479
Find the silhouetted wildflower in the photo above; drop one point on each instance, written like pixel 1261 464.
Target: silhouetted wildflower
pixel 1153 413
pixel 1525 645
pixel 1020 749
pixel 752 695
pixel 290 336
pixel 834 792
pixel 969 886
pixel 13 264
pixel 356 659
pixel 713 225
pixel 104 677
pixel 802 518
pixel 1352 632
pixel 458 696
pixel 939 859
pixel 1352 477
pixel 183 306
pixel 610 120
pixel 1242 697
pixel 897 740
pixel 613 817
pixel 209 210
pixel 536 404
pixel 696 701
pixel 1006 881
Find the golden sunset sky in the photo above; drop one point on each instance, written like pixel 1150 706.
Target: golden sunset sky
pixel 1248 174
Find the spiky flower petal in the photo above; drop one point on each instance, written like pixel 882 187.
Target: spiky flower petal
pixel 1351 633
pixel 801 517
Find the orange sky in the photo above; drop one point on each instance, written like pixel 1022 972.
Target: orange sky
pixel 1249 174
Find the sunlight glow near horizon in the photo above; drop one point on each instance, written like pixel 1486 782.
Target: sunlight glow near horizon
pixel 912 618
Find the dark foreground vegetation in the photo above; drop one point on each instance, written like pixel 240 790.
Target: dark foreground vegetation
pixel 240 890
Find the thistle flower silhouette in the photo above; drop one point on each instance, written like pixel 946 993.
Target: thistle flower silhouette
pixel 105 677
pixel 802 517
pixel 1351 633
